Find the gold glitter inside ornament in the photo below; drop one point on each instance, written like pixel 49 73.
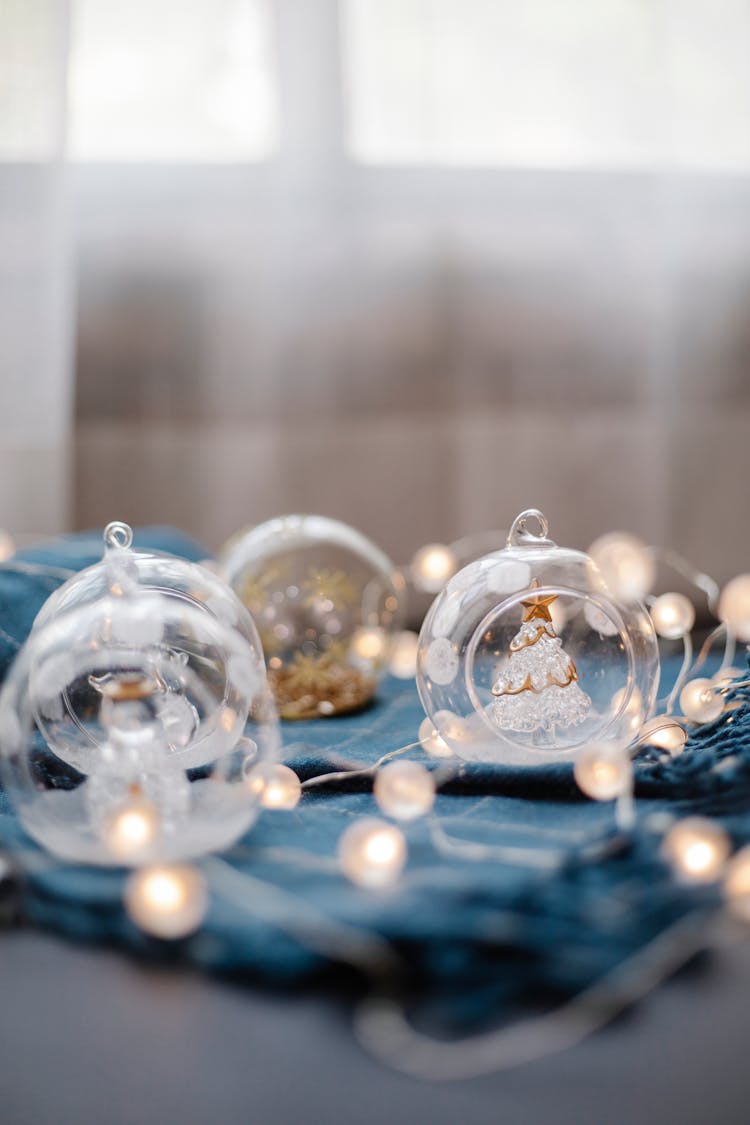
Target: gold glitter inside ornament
pixel 326 602
pixel 313 686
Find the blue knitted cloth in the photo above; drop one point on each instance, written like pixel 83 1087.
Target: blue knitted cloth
pixel 472 931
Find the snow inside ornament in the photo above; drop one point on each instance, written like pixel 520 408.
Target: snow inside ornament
pixel 525 655
pixel 123 736
pixel 326 602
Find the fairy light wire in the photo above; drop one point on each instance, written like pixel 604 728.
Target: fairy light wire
pixel 682 675
pixel 383 1030
pixel 364 771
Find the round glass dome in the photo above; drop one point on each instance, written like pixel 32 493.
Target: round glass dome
pixel 124 573
pixel 326 602
pixel 525 655
pixel 129 727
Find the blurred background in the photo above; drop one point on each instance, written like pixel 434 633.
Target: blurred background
pixel 416 264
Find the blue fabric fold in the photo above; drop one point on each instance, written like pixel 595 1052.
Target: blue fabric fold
pixel 471 936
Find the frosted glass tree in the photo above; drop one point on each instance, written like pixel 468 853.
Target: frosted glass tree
pixel 537 687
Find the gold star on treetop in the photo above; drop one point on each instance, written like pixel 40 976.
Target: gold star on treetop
pixel 538 607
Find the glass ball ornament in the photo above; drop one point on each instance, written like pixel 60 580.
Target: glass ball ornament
pixel 326 602
pixel 127 726
pixel 497 680
pixel 126 573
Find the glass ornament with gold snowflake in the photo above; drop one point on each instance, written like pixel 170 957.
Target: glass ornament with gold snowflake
pixel 325 601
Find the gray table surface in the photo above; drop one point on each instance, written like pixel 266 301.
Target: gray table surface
pixel 89 1036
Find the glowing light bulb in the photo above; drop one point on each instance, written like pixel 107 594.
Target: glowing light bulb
pixel 737 884
pixel 404 790
pixel 131 829
pixel 277 786
pixel 734 607
pixel 665 733
pixel 432 566
pixel 369 645
pixel 372 853
pixel 625 564
pixel 700 701
pixel 403 658
pixel 697 849
pixel 673 616
pixel 603 771
pixel 7 546
pixel 168 902
pixel 432 741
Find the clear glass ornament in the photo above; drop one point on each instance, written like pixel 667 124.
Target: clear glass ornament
pixel 525 655
pixel 127 573
pixel 326 602
pixel 131 717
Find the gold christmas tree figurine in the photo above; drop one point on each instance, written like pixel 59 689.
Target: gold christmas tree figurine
pixel 537 687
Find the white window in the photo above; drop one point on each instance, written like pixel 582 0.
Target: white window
pixel 549 83
pixel 32 69
pixel 172 80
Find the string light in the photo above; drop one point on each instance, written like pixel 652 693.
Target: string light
pixel 697 849
pixel 737 884
pixel 404 790
pixel 673 616
pixel 734 607
pixel 168 902
pixel 277 786
pixel 403 658
pixel 369 645
pixel 664 733
pixel 432 566
pixel 432 740
pixel 131 829
pixel 603 771
pixel 372 853
pixel 700 701
pixel 625 563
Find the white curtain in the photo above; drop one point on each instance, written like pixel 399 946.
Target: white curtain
pixel 36 270
pixel 427 298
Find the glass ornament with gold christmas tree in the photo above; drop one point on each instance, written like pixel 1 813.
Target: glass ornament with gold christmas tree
pixel 526 655
pixel 326 602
